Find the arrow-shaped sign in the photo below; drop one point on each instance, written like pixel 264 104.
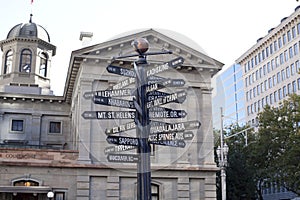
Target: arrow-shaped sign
pixel 171 143
pixel 108 101
pixel 118 148
pixel 162 127
pixel 171 136
pixel 108 114
pixel 123 158
pixel 166 66
pixel 109 93
pixel 160 112
pixel 122 140
pixel 167 99
pixel 121 128
pixel 165 83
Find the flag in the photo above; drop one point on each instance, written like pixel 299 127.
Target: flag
pixel 31 1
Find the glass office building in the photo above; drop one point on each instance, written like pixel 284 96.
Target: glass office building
pixel 229 94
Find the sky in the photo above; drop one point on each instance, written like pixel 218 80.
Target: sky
pixel 224 29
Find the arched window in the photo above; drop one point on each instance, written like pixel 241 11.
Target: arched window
pixel 25 64
pixel 43 64
pixel 8 62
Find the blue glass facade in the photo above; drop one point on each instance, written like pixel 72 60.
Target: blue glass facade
pixel 229 93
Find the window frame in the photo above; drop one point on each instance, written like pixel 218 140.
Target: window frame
pixel 53 132
pixel 25 59
pixel 11 129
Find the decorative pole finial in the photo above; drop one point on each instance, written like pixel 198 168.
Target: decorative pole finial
pixel 30 20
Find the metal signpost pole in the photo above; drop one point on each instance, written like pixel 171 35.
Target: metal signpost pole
pixel 143 129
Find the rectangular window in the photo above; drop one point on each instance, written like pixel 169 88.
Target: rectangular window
pixel 270 82
pixel 293 69
pixel 294 32
pixel 289 86
pixel 288 72
pixel 264 69
pixel 283 75
pixel 296 49
pixel 289 35
pixel 275 46
pixel 267 51
pixel 275 96
pixel 260 72
pixel 17 125
pixel 294 87
pixel 281 58
pixel 279 43
pixel 280 94
pixel 277 62
pixel 297 66
pixel 298 82
pixel 271 48
pixel 298 29
pixel 271 98
pixel 269 66
pixel 284 91
pixel 263 102
pixel 55 127
pixel 274 80
pixel 286 56
pixel 291 52
pixel 284 39
pixel 278 77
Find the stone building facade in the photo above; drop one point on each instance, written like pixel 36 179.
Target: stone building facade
pixel 47 145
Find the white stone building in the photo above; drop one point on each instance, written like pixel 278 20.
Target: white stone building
pixel 46 144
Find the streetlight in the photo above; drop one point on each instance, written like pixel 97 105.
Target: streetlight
pixel 222 152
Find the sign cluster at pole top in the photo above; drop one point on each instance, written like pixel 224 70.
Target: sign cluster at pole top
pixel 161 133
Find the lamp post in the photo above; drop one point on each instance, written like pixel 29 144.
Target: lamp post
pixel 222 152
pixel 50 195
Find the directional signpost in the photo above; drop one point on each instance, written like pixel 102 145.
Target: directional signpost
pixel 144 108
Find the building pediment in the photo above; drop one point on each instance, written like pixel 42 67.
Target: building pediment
pixel 159 40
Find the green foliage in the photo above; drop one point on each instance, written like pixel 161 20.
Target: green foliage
pixel 275 154
pixel 271 155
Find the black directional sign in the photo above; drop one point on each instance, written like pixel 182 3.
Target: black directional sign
pixel 108 114
pixel 121 128
pixel 167 99
pixel 171 136
pixel 123 83
pixel 122 140
pixel 162 127
pixel 118 148
pixel 171 143
pixel 120 71
pixel 165 83
pixel 160 112
pixel 108 101
pixel 160 68
pixel 123 158
pixel 109 93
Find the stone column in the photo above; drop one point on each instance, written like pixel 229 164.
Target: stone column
pixel 36 135
pixel 84 125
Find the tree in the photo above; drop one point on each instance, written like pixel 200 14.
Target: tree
pixel 275 154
